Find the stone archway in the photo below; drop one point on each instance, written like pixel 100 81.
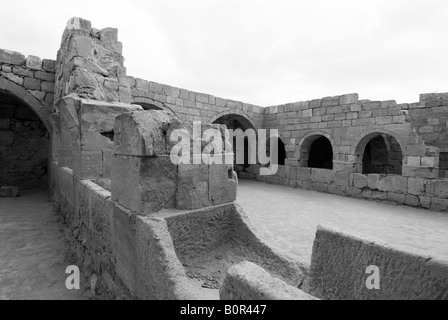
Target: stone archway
pixel 379 153
pixel 24 138
pixel 317 151
pixel 234 121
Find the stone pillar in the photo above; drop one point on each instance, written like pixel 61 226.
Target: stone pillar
pixel 90 64
pixel 145 180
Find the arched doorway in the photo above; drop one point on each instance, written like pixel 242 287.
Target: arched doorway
pixel 381 154
pixel 234 122
pixel 316 151
pixel 24 145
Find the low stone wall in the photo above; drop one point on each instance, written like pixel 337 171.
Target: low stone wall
pixel 86 210
pixel 411 191
pixel 339 270
pixel 247 281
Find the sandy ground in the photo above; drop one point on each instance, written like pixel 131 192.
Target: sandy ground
pixel 33 253
pixel 289 217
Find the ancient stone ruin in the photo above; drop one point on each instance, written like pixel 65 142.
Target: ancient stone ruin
pixel 148 228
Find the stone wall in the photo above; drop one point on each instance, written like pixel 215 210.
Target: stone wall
pixel 350 124
pixel 340 261
pixel 90 64
pixel 192 106
pixel 247 281
pixel 24 145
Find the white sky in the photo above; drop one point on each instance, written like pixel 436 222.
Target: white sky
pixel 257 51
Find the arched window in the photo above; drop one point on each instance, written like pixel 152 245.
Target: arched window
pixel 382 154
pixel 317 152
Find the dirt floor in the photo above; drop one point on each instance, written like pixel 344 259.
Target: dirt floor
pixel 288 218
pixel 33 253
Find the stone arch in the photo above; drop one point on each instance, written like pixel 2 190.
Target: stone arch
pixel 32 102
pixel 317 150
pixel 280 145
pixel 379 152
pixel 235 119
pixel 150 104
pixel 243 117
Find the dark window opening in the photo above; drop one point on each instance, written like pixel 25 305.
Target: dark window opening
pixel 321 154
pixel 382 155
pixel 443 165
pixel 110 135
pixel 148 106
pixel 281 151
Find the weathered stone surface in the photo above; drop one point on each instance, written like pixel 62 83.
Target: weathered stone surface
pixel 144 133
pixel 223 183
pixel 192 188
pixel 33 63
pixel 8 191
pixel 342 258
pixel 360 181
pixel 144 185
pixel 11 57
pixel 247 281
pixel 441 189
pixel 416 186
pixel 373 181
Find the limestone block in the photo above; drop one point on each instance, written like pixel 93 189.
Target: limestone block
pixel 441 189
pixel 429 162
pixel 223 183
pixel 49 65
pixel 34 63
pixel 412 201
pixel 144 185
pixel 416 186
pixel 144 133
pixel 11 57
pixel 46 76
pixel 9 191
pixel 303 174
pixel 192 188
pixel 373 181
pixel 97 116
pixel 31 84
pixel 396 197
pixel 87 164
pixel 13 78
pixel 422 172
pixel 360 181
pixel 124 245
pixel 349 98
pixel 107 164
pixel 322 176
pixel 248 281
pixel 413 161
pixel 425 202
pixel 438 204
pixel 95 141
pixel 386 184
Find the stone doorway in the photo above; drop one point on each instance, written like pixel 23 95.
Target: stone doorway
pixel 24 145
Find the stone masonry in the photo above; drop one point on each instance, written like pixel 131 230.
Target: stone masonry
pixel 148 228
